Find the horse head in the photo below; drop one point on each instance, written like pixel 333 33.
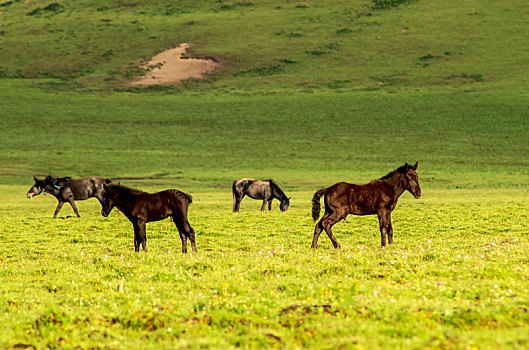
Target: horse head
pixel 107 204
pixel 36 189
pixel 411 180
pixel 284 204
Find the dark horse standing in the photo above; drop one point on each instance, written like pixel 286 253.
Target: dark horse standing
pixel 66 189
pixel 266 190
pixel 377 197
pixel 142 207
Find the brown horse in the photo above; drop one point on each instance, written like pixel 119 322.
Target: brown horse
pixel 66 189
pixel 142 207
pixel 377 197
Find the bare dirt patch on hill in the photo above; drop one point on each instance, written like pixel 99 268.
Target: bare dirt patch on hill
pixel 173 66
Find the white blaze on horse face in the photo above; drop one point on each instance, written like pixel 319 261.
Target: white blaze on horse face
pixel 33 191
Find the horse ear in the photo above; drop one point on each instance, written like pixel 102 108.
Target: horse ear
pixel 406 165
pixel 416 165
pixel 35 178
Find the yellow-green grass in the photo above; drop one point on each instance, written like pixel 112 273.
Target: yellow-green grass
pixel 457 276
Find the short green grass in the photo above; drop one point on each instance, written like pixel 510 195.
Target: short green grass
pixel 464 140
pixel 273 46
pixel 456 276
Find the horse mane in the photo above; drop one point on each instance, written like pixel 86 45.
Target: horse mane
pixel 276 189
pixel 55 180
pixel 402 169
pixel 124 191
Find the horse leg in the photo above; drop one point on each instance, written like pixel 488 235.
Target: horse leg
pixel 59 206
pixel 329 222
pixel 186 231
pixel 136 237
pixel 264 203
pixel 317 231
pixel 143 235
pixel 384 223
pixel 270 204
pixel 234 203
pixel 390 230
pixel 191 237
pixel 237 202
pixel 72 203
pixel 182 232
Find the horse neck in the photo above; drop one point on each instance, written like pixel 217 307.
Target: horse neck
pixel 397 182
pixel 122 201
pixel 277 193
pixel 62 181
pixel 51 190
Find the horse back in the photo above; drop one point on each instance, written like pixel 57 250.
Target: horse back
pixel 242 186
pixel 259 189
pixel 159 205
pixel 84 188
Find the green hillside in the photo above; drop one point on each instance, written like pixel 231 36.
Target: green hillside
pixel 334 90
pixel 273 45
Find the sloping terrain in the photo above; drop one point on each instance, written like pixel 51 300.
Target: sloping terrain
pixel 273 45
pixel 348 89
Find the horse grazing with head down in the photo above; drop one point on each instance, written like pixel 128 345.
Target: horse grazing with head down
pixel 142 207
pixel 377 197
pixel 266 190
pixel 66 189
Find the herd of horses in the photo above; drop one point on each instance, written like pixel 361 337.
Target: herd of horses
pixel 378 197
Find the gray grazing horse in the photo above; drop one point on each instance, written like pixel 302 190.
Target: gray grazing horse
pixel 66 189
pixel 266 190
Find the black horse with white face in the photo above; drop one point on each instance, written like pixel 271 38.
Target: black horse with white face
pixel 66 189
pixel 266 190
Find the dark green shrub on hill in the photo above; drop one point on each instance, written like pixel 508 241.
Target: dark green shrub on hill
pixel 386 4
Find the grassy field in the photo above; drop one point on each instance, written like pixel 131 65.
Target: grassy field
pixel 309 94
pixel 460 140
pixel 272 46
pixel 456 277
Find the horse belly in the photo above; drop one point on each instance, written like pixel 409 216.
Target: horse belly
pixel 155 217
pixel 158 209
pixel 81 191
pixel 362 210
pixel 257 194
pixel 361 205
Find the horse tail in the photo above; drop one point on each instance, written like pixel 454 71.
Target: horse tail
pixel 180 202
pixel 234 188
pixel 234 192
pixel 316 207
